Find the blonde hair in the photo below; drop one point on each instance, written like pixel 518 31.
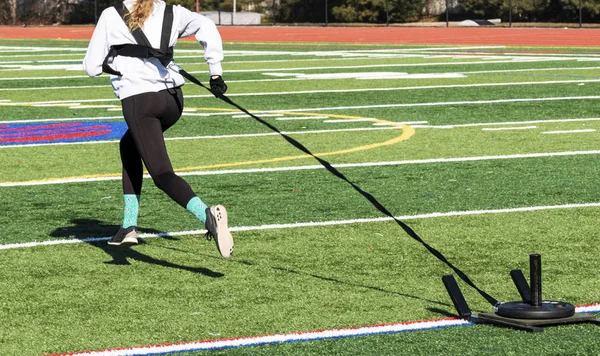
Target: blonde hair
pixel 141 11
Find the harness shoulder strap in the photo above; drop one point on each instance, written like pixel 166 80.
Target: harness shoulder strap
pixel 143 48
pixel 138 34
pixel 165 37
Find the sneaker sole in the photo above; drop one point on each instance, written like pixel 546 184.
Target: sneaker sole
pixel 223 239
pixel 129 240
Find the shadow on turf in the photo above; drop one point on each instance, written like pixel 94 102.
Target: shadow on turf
pixel 283 269
pixel 82 229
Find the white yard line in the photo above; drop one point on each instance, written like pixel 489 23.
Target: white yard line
pixel 567 131
pixel 508 128
pixel 313 167
pixel 512 123
pixel 313 224
pixel 301 92
pixel 442 103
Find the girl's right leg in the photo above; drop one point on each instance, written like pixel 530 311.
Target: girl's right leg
pixel 148 115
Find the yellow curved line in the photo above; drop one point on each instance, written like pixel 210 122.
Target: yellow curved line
pixel 407 133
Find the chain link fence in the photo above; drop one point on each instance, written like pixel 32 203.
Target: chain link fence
pixel 538 13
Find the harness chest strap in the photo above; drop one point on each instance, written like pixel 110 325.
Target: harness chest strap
pixel 143 49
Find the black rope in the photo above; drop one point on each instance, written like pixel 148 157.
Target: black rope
pixel 365 194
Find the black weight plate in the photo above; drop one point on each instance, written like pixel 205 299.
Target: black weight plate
pixel 548 310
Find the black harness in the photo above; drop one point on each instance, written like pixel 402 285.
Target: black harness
pixel 143 49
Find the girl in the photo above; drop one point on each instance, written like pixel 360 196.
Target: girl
pixel 152 101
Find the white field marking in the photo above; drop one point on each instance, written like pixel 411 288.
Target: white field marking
pixel 289 118
pixel 9 49
pixel 207 114
pixel 77 106
pixel 76 65
pixel 476 102
pixel 38 55
pixel 65 66
pixel 314 167
pixel 300 336
pixel 399 123
pixel 300 92
pixel 513 123
pixel 315 224
pixel 396 65
pixel 342 55
pixel 369 75
pixel 56 88
pixel 243 116
pixel 567 131
pixel 349 67
pixel 324 91
pixel 442 103
pixel 335 121
pixel 208 137
pixel 508 128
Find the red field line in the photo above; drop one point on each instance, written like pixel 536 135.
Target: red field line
pixel 393 35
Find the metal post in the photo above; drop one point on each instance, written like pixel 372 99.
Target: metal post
pixel 509 13
pixel 326 13
pixel 387 13
pixel 95 12
pixel 219 10
pixel 580 20
pixel 274 16
pixel 197 5
pixel 233 14
pixel 535 279
pixel 447 15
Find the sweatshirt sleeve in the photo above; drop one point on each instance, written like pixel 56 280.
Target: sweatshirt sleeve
pixel 98 47
pixel 206 34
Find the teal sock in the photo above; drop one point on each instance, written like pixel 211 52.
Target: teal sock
pixel 130 210
pixel 197 207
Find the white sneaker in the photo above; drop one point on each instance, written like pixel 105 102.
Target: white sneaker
pixel 125 237
pixel 216 226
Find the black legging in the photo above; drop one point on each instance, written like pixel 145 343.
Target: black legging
pixel 148 115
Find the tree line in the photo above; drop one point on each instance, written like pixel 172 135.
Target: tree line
pixel 399 11
pixel 322 11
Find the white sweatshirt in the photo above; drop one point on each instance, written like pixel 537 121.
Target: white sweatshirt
pixel 149 75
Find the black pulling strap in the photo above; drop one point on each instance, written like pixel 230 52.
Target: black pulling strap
pixel 365 194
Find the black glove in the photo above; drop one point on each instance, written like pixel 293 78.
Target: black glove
pixel 217 85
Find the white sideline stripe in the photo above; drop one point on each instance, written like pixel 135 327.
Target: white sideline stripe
pixel 508 128
pixel 312 224
pixel 297 336
pixel 311 167
pixel 568 131
pixel 280 338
